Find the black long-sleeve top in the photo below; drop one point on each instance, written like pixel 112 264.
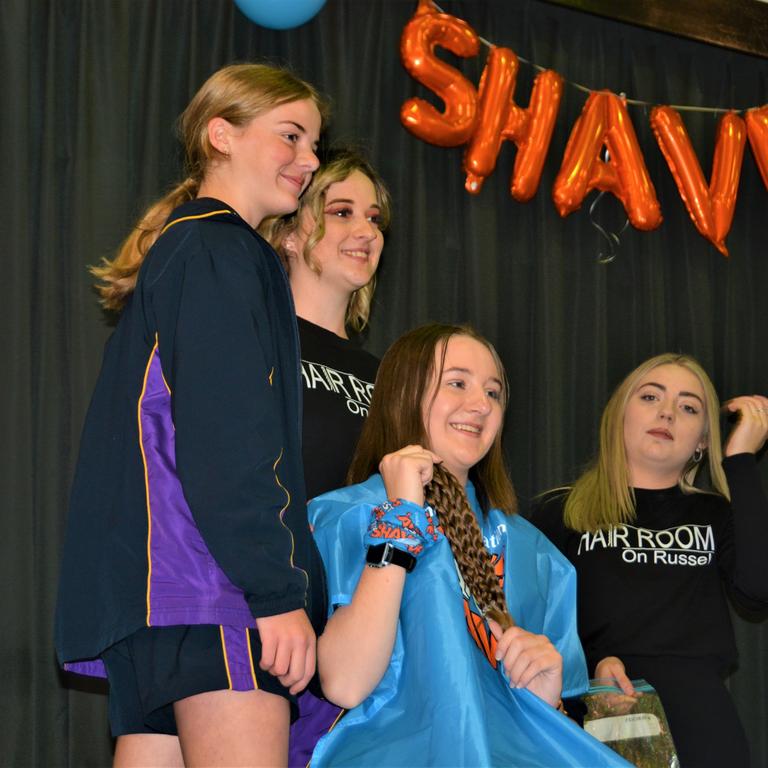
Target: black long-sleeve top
pixel 658 586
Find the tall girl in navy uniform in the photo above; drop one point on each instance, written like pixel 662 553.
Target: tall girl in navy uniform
pixel 656 555
pixel 420 646
pixel 331 248
pixel 189 572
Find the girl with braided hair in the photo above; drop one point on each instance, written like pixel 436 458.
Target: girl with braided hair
pixel 452 635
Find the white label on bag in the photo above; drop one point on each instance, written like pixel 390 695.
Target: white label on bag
pixel 623 727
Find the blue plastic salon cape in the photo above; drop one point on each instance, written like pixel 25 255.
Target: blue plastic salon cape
pixel 441 701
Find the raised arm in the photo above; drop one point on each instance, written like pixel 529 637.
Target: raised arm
pixel 356 647
pixel 742 551
pixel 751 430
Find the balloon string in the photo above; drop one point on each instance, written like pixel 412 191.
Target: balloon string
pixel 612 237
pixel 587 89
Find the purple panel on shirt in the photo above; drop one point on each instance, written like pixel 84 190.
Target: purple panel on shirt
pixel 316 716
pixel 238 658
pixel 186 584
pixel 92 667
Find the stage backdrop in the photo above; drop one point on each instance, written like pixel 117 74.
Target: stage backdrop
pixel 90 92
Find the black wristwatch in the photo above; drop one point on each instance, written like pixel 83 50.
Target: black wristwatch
pixel 381 555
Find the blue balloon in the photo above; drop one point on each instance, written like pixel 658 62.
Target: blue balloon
pixel 279 14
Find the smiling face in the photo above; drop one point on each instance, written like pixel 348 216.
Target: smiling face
pixel 462 409
pixel 271 159
pixel 664 423
pixel 348 255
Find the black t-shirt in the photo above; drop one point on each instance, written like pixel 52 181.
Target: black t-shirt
pixel 658 586
pixel 337 375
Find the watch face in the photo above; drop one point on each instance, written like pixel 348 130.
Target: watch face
pixel 379 555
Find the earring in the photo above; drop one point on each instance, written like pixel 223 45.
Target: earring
pixel 697 455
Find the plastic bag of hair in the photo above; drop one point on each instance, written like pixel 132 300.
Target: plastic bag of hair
pixel 634 726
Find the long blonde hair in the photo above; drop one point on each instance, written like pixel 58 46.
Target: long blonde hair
pixel 603 495
pixel 238 93
pixel 339 166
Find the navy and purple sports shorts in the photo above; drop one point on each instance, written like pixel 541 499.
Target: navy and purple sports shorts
pixel 156 666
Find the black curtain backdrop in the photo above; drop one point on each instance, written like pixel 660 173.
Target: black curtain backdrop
pixel 90 90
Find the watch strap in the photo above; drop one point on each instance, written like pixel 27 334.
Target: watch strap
pixel 381 555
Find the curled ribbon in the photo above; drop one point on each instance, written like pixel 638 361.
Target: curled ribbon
pixel 612 237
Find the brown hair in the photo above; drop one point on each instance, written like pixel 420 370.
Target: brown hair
pixel 602 496
pixel 395 419
pixel 338 166
pixel 446 495
pixel 238 93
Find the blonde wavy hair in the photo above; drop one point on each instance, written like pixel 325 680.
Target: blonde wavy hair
pixel 339 166
pixel 238 93
pixel 603 495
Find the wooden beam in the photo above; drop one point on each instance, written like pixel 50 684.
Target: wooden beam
pixel 738 24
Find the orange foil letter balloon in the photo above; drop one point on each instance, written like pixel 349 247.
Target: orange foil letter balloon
pixel 423 32
pixel 605 121
pixel 711 208
pixel 757 130
pixel 500 119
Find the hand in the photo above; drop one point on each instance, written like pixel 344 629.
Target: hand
pixel 530 661
pixel 612 668
pixel 288 648
pixel 751 431
pixel 407 471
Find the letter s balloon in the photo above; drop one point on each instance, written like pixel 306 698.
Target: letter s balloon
pixel 424 31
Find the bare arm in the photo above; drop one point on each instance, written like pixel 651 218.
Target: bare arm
pixel 355 649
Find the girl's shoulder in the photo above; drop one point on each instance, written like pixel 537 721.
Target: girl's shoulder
pixel 208 237
pixel 332 505
pixel 546 512
pixel 519 527
pixel 373 487
pixel 214 223
pixel 201 211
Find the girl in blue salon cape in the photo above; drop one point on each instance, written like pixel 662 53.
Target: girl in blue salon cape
pixel 420 557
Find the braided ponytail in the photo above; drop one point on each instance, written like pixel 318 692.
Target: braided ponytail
pixel 446 495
